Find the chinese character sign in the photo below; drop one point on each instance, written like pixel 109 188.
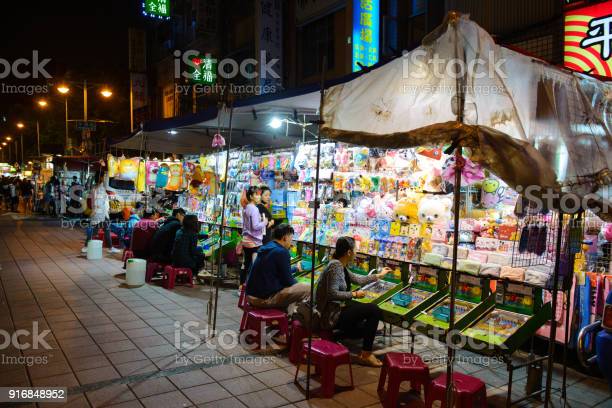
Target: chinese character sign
pixel 156 8
pixel 588 39
pixel 203 70
pixel 366 21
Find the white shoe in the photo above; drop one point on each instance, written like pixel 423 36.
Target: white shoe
pixel 84 250
pixel 114 251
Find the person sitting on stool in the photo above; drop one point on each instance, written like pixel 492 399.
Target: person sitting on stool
pixel 270 282
pixel 333 292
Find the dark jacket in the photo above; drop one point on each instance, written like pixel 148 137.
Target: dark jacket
pixel 185 252
pixel 270 272
pixel 263 210
pixel 163 240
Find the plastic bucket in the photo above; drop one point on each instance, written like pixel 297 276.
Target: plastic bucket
pixel 94 249
pixel 135 272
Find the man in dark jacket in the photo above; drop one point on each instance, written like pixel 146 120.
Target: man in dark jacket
pixel 161 245
pixel 270 282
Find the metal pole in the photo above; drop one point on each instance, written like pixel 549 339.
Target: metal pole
pixel 21 137
pixel 37 138
pixel 131 105
pixel 314 223
pixel 229 144
pixel 85 100
pixel 459 163
pixel 553 321
pixel 68 144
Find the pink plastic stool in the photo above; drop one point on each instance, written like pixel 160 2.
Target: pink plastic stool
pixel 297 335
pixel 401 367
pixel 153 267
pixel 171 273
pixel 470 392
pixel 258 319
pixel 326 356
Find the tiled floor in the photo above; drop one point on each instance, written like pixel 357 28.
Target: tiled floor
pixel 115 346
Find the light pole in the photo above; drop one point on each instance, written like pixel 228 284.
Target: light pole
pixel 8 142
pixel 20 126
pixel 64 90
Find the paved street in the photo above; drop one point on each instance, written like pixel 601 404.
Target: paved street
pixel 115 346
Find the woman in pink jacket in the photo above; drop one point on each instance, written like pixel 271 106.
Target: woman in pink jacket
pixel 253 230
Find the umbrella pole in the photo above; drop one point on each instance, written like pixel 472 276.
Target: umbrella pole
pixel 459 164
pixel 314 223
pixel 229 144
pixel 553 320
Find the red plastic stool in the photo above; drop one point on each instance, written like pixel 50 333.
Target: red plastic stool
pixel 173 272
pixel 153 267
pixel 114 237
pixel 470 392
pixel 127 254
pixel 243 304
pixel 258 319
pixel 326 356
pixel 401 367
pixel 297 335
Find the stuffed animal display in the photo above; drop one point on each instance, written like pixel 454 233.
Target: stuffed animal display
pixel 434 210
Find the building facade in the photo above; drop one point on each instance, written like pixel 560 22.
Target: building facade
pixel 300 33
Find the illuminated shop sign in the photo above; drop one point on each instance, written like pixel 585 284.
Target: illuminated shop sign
pixel 366 21
pixel 588 39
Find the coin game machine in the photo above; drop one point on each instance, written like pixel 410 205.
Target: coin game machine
pixel 517 314
pixel 320 256
pixel 426 286
pixel 473 299
pixel 376 292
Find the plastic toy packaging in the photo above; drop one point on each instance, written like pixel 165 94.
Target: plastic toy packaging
pixel 152 167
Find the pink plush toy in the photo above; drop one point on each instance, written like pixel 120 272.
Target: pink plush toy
pixel 470 174
pixel 607 231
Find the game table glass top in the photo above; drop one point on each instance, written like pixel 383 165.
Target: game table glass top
pixel 496 326
pixel 436 315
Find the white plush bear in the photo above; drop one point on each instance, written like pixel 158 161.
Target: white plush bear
pixel 434 210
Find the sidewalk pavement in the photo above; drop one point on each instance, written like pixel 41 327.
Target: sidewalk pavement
pixel 115 346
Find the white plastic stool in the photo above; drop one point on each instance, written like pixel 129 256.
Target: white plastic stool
pixel 94 249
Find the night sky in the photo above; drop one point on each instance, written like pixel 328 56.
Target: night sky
pixel 86 39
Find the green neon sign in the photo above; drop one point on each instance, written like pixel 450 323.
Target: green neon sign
pixel 156 8
pixel 203 70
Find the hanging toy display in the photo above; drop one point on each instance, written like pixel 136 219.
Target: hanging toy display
pixel 152 167
pixel 162 176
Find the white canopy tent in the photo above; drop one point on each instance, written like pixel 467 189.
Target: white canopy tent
pixel 192 134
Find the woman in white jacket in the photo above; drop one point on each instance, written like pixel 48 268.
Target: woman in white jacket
pixel 99 217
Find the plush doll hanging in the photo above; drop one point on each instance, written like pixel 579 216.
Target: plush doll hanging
pixel 470 174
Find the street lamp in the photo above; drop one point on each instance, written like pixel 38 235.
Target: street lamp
pixel 107 93
pixel 42 103
pixel 63 89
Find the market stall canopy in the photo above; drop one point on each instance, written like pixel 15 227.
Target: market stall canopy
pixel 530 123
pixel 193 134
